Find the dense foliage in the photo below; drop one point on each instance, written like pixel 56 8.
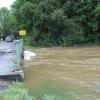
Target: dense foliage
pixel 54 22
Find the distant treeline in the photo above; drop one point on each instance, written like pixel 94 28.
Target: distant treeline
pixel 53 22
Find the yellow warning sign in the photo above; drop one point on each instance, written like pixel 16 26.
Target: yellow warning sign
pixel 22 32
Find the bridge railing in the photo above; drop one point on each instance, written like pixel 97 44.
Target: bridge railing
pixel 19 52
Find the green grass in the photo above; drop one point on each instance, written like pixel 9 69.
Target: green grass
pixel 17 91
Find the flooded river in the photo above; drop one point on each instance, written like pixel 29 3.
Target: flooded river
pixel 68 73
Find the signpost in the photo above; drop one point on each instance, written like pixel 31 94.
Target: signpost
pixel 22 32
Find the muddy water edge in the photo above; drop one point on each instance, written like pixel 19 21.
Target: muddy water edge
pixel 68 73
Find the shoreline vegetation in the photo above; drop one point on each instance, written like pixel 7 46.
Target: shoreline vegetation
pixel 74 46
pixel 17 91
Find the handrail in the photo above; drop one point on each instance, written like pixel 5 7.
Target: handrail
pixel 19 49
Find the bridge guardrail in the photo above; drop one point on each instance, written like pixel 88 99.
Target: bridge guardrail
pixel 19 52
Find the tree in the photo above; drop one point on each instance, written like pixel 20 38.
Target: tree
pixel 4 12
pixel 58 22
pixel 7 22
pixel 45 20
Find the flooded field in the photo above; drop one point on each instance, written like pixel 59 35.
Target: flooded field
pixel 68 73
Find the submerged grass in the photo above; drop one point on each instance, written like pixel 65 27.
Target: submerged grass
pixel 17 91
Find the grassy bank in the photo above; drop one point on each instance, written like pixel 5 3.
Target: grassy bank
pixel 17 91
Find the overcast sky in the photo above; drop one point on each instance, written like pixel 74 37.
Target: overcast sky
pixel 6 3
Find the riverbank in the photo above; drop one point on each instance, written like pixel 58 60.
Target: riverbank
pixel 17 91
pixel 74 46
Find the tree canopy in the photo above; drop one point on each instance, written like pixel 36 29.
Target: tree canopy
pixel 54 22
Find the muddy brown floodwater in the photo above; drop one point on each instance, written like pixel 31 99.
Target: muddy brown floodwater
pixel 73 72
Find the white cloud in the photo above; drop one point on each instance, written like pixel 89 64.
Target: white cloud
pixel 6 3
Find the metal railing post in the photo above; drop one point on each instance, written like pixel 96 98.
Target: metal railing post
pixel 17 53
